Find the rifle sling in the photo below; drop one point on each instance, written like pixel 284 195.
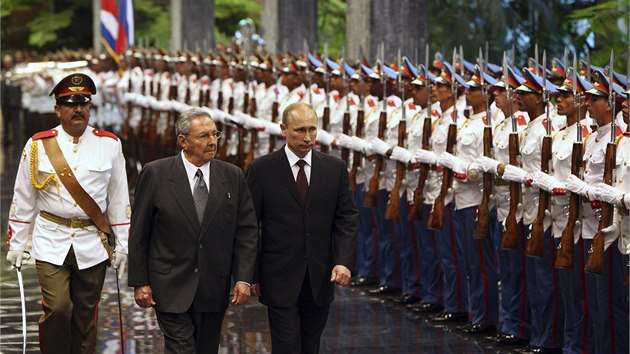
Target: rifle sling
pixel 77 192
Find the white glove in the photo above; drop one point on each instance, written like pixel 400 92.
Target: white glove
pixel 15 258
pixel 344 141
pixel 324 137
pixel 120 261
pixel 379 146
pixel 546 182
pixel 607 194
pixel 452 162
pixel 401 154
pixel 488 165
pixel 610 232
pixel 626 201
pixel 578 186
pixel 359 144
pixel 628 249
pixel 271 127
pixel 425 156
pixel 514 174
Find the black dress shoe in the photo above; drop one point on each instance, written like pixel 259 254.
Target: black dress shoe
pixel 362 281
pixel 547 351
pixel 382 290
pixel 477 328
pixel 405 299
pixel 449 317
pixel 426 307
pixel 508 339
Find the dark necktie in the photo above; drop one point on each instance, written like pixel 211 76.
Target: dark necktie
pixel 301 181
pixel 200 195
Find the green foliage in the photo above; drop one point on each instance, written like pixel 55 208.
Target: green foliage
pixel 227 13
pixel 603 19
pixel 45 26
pixel 331 25
pixel 152 23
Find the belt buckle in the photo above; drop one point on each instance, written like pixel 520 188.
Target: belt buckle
pixel 75 223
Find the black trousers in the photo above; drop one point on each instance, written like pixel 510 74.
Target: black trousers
pixel 298 329
pixel 191 332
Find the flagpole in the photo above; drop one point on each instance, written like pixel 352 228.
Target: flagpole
pixel 96 27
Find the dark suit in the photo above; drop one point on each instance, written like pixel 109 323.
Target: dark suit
pixel 300 243
pixel 189 265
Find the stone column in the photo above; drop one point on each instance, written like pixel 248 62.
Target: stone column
pixel 287 23
pixel 192 25
pixel 397 23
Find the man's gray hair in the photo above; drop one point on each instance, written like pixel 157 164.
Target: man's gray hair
pixel 299 105
pixel 182 126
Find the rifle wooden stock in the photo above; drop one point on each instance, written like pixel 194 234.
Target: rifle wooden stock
pixel 345 152
pixel 168 138
pixel 205 101
pixel 510 238
pixel 253 140
pixel 325 126
pixel 126 128
pixel 536 241
pixel 154 118
pixel 371 198
pixel 482 226
pixel 143 113
pixel 357 156
pixel 595 263
pixel 274 119
pixel 393 205
pixel 415 212
pixel 564 258
pixel 436 218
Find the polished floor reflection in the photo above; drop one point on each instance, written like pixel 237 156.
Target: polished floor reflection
pixel 357 323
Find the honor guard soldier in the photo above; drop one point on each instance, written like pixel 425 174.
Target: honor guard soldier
pixel 480 257
pixel 444 90
pixel 605 289
pixel 367 258
pixel 571 104
pixel 377 132
pixel 509 124
pixel 542 285
pixel 423 115
pixel 291 88
pixel 67 178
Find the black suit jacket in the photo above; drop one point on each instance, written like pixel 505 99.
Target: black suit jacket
pixel 186 263
pixel 297 239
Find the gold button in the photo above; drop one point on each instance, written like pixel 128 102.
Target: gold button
pixel 74 149
pixel 75 167
pixel 72 234
pixel 75 204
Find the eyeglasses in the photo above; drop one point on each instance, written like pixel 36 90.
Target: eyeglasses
pixel 206 136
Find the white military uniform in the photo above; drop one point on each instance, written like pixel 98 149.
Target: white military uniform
pixel 501 145
pixel 99 166
pixel 531 150
pixel 415 125
pixel 469 146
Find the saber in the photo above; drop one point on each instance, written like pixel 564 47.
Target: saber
pixel 21 285
pixel 120 319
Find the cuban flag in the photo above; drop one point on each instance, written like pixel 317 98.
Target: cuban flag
pixel 117 25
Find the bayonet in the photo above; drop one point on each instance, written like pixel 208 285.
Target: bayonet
pixel 426 79
pixel 401 84
pixel 612 97
pixel 461 59
pixel 454 87
pixel 588 66
pixel 326 73
pixel 545 92
pixel 383 78
pixel 308 72
pixel 536 58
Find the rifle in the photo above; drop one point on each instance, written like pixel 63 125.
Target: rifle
pixel 436 217
pixel 415 212
pixel 510 238
pixel 155 114
pixel 253 140
pixel 357 155
pixel 345 152
pixel 595 262
pixel 482 226
pixel 393 205
pixel 536 242
pixel 326 115
pixel 168 138
pixel 144 111
pixel 274 107
pixel 564 258
pixel 126 129
pixel 371 198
